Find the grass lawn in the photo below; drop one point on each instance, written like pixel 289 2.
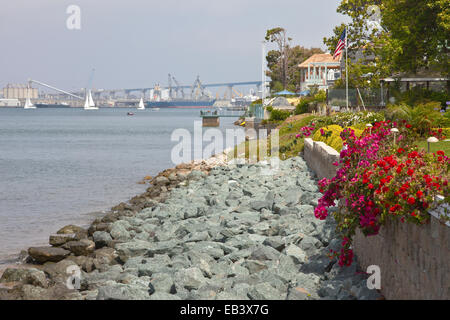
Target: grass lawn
pixel 441 145
pixel 290 146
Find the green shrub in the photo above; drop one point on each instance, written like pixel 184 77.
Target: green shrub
pixel 423 117
pixel 282 115
pixel 320 96
pixel 269 108
pixel 302 107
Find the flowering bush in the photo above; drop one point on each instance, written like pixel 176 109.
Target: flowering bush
pixel 379 180
pixel 306 131
pixel 347 119
pixel 331 135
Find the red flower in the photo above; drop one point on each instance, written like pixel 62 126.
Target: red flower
pixel 408 126
pixel 440 152
pixel 410 172
pixel 400 150
pixel 411 200
pixel 370 186
pixel 419 194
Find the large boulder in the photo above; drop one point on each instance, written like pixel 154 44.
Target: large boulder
pixel 101 239
pixel 58 240
pixel 31 276
pixel 45 254
pixel 83 247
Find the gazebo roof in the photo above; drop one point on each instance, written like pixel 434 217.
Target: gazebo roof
pixel 321 58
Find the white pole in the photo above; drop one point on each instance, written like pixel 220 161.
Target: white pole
pixel 346 64
pixel 263 74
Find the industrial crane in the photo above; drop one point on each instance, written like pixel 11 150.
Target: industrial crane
pixel 179 89
pixel 197 85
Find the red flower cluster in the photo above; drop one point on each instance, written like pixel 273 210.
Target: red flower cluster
pixel 377 179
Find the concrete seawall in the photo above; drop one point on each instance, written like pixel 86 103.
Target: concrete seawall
pixel 320 158
pixel 413 260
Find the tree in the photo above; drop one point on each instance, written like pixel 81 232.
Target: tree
pixel 365 67
pixel 295 56
pixel 418 32
pixel 411 36
pixel 278 35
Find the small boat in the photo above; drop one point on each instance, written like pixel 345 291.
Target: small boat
pixel 29 104
pixel 141 105
pixel 154 109
pixel 130 114
pixel 89 103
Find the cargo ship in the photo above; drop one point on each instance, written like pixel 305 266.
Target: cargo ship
pixel 52 105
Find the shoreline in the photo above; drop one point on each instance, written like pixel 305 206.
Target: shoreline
pixel 17 260
pixel 203 230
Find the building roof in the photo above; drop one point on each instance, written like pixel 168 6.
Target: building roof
pixel 320 58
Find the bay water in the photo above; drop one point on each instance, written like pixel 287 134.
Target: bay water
pixel 67 166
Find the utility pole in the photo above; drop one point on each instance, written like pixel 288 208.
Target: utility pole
pixel 263 74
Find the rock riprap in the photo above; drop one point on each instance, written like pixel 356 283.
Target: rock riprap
pixel 231 232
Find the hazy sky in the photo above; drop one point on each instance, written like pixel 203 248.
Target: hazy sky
pixel 136 43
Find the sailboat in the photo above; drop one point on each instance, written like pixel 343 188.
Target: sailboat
pixel 141 105
pixel 89 103
pixel 29 104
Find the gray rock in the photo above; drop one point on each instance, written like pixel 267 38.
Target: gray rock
pixel 133 248
pixel 310 245
pixel 119 230
pixel 30 276
pixel 264 291
pixel 164 296
pixel 119 291
pixel 297 254
pixel 254 266
pixel 275 242
pixel 190 278
pixel 263 253
pixel 163 282
pixel 101 239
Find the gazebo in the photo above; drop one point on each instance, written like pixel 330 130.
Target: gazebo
pixel 318 70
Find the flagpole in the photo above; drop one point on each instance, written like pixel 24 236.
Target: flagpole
pixel 346 65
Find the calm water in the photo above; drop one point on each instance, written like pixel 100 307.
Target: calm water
pixel 59 166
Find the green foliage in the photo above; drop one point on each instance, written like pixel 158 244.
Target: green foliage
pixel 350 119
pixel 256 102
pixel 283 63
pixel 423 117
pixel 418 95
pixel 302 107
pixel 320 96
pixel 276 114
pixel 419 30
pixel 269 108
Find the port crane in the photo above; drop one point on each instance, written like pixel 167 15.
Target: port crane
pixel 196 88
pixel 178 90
pixel 53 88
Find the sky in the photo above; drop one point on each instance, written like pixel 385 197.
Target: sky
pixel 136 43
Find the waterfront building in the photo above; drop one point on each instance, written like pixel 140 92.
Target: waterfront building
pixel 319 70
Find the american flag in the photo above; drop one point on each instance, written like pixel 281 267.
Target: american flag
pixel 340 45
